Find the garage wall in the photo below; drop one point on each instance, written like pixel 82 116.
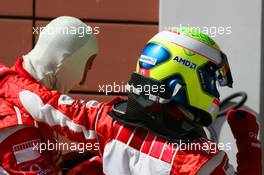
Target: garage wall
pixel 15 29
pixel 124 26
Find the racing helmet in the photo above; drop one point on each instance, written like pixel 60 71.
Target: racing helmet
pixel 189 66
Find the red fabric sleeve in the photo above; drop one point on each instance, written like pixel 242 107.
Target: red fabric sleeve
pixel 92 166
pixel 74 119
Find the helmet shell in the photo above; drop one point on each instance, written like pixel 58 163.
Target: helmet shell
pixel 170 58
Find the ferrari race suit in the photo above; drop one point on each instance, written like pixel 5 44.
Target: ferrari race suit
pixel 125 150
pixel 19 132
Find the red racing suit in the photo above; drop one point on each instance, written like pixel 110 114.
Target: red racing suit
pixel 19 133
pixel 125 150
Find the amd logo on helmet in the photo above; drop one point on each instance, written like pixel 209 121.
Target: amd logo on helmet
pixel 184 62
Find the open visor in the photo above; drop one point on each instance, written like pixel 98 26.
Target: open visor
pixel 211 73
pixel 223 74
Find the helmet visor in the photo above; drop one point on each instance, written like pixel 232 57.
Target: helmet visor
pixel 210 74
pixel 223 74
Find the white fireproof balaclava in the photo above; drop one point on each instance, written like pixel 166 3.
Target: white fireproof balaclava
pixel 59 57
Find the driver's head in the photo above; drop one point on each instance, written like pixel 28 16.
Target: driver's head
pixel 63 53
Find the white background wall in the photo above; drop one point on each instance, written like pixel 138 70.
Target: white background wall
pixel 242 46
